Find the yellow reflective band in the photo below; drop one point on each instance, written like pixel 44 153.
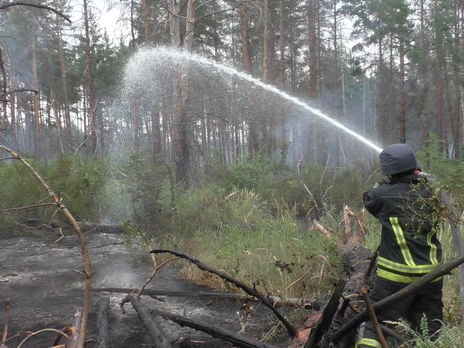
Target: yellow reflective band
pixel 394 277
pixel 433 248
pixel 368 342
pixel 400 267
pixel 401 241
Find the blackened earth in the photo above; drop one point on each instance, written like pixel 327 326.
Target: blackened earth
pixel 40 279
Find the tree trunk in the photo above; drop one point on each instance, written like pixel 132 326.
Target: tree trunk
pixel 147 32
pixel 253 144
pixel 313 48
pixel 64 84
pixel 423 77
pixel 37 139
pixel 402 111
pixel 90 81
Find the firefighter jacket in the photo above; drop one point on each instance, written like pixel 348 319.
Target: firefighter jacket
pixel 408 211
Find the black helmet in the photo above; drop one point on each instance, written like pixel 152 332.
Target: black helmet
pixel 397 158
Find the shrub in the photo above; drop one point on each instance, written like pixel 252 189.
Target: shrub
pixel 78 183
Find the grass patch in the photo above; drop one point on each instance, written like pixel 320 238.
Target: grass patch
pixel 276 255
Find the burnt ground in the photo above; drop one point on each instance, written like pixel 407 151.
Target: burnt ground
pixel 40 280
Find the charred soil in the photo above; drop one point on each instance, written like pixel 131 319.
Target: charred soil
pixel 40 280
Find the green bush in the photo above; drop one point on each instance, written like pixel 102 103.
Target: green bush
pixel 77 183
pixel 19 189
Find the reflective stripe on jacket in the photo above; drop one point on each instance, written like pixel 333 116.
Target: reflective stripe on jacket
pixel 409 214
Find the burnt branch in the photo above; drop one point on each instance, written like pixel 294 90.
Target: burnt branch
pixel 291 330
pixel 441 270
pixel 226 335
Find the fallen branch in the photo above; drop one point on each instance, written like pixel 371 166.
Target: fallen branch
pixel 373 317
pixel 236 340
pixel 277 301
pixel 250 291
pixel 159 338
pixel 441 270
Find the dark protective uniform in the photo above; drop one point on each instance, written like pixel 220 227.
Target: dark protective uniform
pixel 408 211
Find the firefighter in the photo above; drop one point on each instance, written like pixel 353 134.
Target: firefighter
pixel 409 214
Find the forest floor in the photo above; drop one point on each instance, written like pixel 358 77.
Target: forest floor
pixel 39 278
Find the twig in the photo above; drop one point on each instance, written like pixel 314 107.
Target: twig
pixel 7 318
pixel 291 330
pixel 27 207
pixel 39 332
pixel 375 322
pixel 152 275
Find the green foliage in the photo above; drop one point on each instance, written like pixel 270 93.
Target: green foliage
pixel 274 254
pixel 19 189
pixel 77 182
pixel 448 172
pixel 247 175
pixel 310 194
pixel 448 337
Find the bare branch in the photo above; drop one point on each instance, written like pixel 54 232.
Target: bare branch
pixel 45 7
pixel 291 330
pixel 27 207
pixel 221 11
pixel 40 331
pixel 174 14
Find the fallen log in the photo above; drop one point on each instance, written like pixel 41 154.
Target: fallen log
pixel 102 322
pixel 224 334
pixel 250 291
pixel 156 333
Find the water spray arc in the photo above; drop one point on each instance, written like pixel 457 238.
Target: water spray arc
pixel 182 55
